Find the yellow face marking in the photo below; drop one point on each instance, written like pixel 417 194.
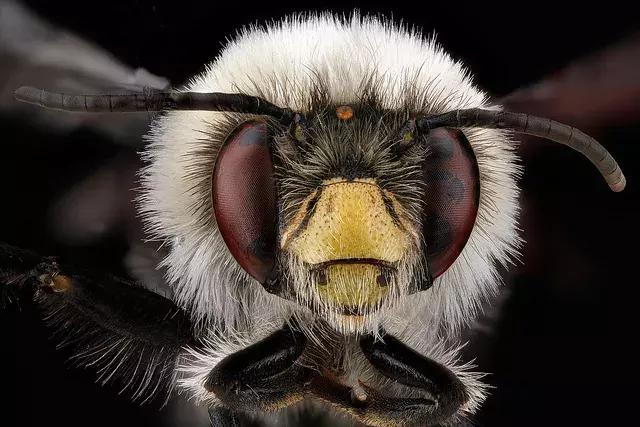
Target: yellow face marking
pixel 352 285
pixel 350 221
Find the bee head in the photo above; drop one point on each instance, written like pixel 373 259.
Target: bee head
pixel 339 179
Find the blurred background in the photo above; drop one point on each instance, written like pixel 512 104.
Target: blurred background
pixel 559 343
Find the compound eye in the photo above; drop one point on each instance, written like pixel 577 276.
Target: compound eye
pixel 244 198
pixel 452 182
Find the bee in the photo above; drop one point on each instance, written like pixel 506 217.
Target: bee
pixel 335 197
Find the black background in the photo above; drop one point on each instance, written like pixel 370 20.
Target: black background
pixel 564 350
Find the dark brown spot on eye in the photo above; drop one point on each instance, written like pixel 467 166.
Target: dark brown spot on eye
pixel 437 232
pixel 447 184
pixel 252 135
pixel 262 247
pixel 439 148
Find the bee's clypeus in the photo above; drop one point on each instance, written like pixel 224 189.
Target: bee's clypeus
pixel 336 197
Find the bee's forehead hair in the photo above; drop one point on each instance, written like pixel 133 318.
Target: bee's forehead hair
pixel 363 147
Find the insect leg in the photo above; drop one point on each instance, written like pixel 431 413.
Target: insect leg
pixel 445 393
pixel 263 376
pixel 123 330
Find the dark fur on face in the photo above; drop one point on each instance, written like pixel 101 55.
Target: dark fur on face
pixel 324 147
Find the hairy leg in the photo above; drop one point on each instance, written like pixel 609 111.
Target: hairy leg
pixel 445 393
pixel 264 376
pixel 123 330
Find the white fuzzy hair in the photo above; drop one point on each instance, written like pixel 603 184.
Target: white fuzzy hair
pixel 288 56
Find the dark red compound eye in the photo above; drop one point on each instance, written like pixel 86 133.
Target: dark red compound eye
pixel 244 198
pixel 452 194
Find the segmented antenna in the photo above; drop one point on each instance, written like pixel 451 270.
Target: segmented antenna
pixel 152 100
pixel 536 126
